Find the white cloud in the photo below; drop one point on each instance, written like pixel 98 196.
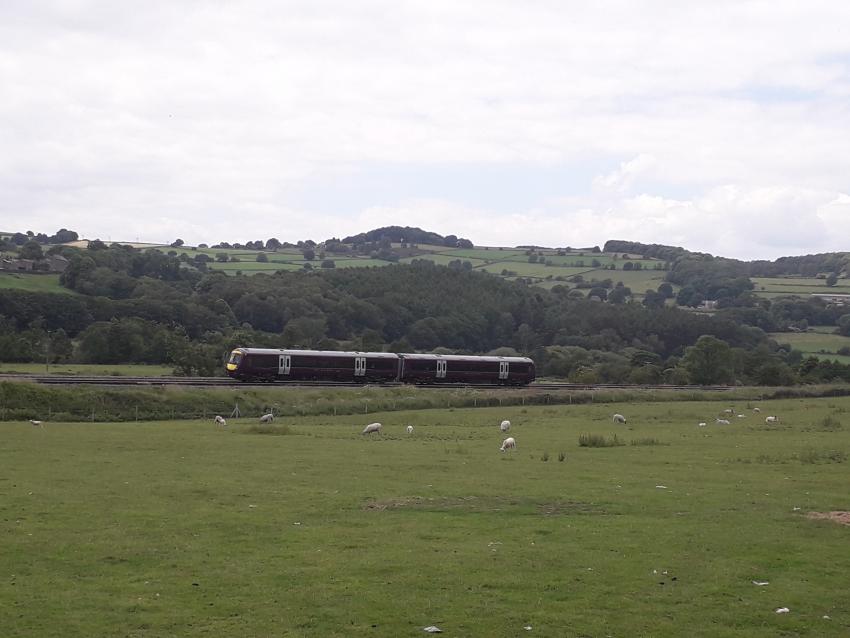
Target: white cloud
pixel 204 119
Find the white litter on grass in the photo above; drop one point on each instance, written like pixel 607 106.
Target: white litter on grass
pixel 796 509
pixel 527 627
pixel 661 487
pixel 252 506
pixel 761 583
pixel 782 610
pixel 825 617
pixel 296 523
pixel 432 629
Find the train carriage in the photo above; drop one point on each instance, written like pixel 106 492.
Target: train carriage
pixel 262 364
pixel 436 368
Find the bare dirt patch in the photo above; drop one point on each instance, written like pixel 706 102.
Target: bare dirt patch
pixel 483 504
pixel 838 516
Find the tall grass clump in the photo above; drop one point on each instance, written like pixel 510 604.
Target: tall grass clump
pixel 811 456
pixel 597 440
pixel 830 424
pixel 647 441
pixel 269 428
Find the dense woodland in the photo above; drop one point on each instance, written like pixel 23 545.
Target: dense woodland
pixel 147 306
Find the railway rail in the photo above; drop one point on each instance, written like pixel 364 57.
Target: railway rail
pixel 224 382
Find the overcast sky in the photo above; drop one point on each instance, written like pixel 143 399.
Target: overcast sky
pixel 719 126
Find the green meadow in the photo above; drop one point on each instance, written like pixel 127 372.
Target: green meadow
pixel 307 528
pixel 816 343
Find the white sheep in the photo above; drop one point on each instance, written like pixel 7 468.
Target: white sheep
pixel 410 429
pixel 220 420
pixel 508 444
pixel 701 424
pixel 756 409
pixel 772 419
pixel 36 424
pixel 728 411
pixel 267 418
pixel 505 426
pixel 619 418
pixel 722 421
pixel 741 416
pixel 372 427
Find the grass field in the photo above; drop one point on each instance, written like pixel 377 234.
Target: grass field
pixel 183 528
pixel 817 343
pixel 88 369
pixel 33 283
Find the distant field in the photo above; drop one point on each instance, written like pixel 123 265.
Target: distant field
pixel 819 344
pixel 480 253
pixel 88 369
pixel 33 283
pixel 248 267
pixel 307 528
pixel 803 286
pixel 443 259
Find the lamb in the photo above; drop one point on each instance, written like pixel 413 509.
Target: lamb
pixel 722 421
pixel 772 419
pixel 505 426
pixel 220 420
pixel 508 444
pixel 410 429
pixel 36 424
pixel 619 418
pixel 728 411
pixel 701 424
pixel 372 427
pixel 756 409
pixel 267 418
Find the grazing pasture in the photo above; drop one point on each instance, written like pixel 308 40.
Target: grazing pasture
pixel 304 527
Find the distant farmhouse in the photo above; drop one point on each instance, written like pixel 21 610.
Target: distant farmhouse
pixel 51 264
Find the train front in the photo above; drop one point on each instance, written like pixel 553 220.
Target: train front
pixel 234 362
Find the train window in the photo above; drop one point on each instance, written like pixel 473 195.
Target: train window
pixel 235 358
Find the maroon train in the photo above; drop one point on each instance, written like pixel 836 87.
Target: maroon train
pixel 259 364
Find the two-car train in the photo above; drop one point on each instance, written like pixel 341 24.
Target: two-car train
pixel 261 364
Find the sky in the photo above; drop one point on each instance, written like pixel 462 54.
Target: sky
pixel 721 126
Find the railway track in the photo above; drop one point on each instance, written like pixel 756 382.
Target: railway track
pixel 224 382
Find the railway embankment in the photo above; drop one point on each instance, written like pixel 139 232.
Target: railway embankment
pixel 22 399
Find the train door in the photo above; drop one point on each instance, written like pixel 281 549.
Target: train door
pixel 284 365
pixel 441 369
pixel 504 370
pixel 359 366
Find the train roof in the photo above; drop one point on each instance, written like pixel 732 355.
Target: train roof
pixel 318 353
pixel 382 355
pixel 461 357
